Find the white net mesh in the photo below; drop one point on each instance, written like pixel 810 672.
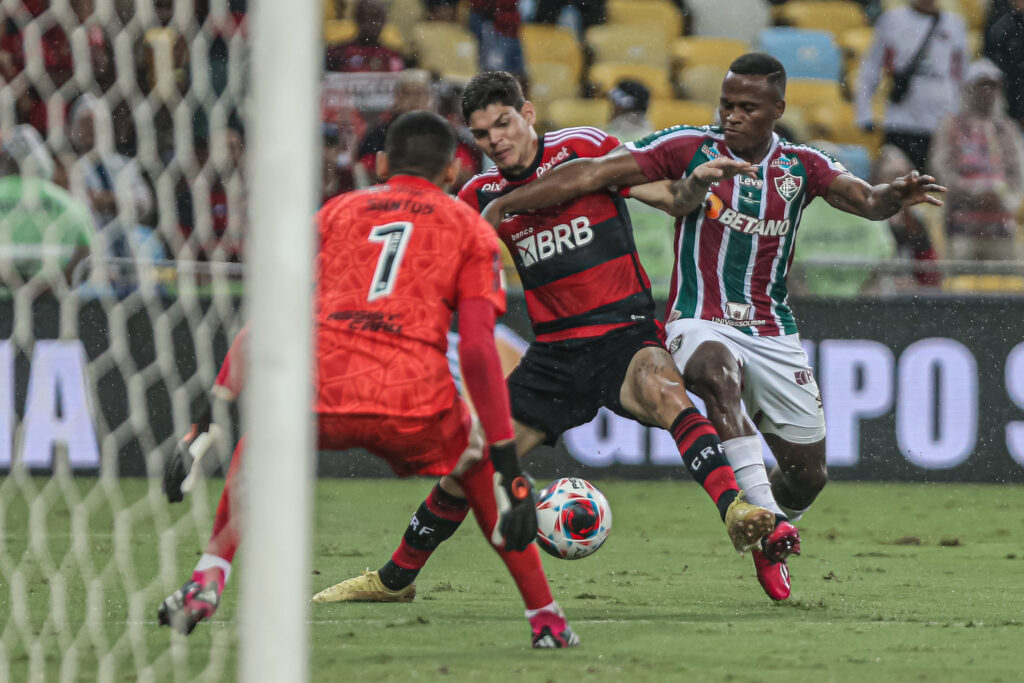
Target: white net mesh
pixel 122 207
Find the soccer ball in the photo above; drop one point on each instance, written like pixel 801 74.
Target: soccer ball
pixel 573 518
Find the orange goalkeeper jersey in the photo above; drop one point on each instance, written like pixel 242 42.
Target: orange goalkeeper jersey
pixel 394 262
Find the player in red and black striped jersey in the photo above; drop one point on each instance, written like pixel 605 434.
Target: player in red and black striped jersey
pixel 597 343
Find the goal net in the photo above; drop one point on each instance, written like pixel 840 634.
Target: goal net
pixel 126 129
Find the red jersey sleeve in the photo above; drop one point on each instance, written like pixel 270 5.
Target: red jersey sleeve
pixel 666 155
pixel 481 275
pixel 609 143
pixel 468 195
pixel 232 370
pixel 821 171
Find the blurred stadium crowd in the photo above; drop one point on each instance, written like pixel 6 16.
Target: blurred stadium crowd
pixel 129 117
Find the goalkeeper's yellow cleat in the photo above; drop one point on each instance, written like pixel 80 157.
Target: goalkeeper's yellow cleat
pixel 747 523
pixel 366 587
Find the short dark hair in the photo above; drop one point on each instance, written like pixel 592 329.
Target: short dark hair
pixel 491 87
pixel 760 64
pixel 420 143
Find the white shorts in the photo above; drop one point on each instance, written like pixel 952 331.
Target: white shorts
pixel 779 389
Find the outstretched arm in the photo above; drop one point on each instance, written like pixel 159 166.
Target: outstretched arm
pixel 568 181
pixel 689 192
pixel 878 202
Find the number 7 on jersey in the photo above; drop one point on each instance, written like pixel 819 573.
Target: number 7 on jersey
pixel 395 238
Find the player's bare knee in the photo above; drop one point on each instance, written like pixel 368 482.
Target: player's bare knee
pixel 654 390
pixel 714 374
pixel 808 479
pixel 803 466
pixel 716 380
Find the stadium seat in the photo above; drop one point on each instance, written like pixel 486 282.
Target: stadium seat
pixel 624 43
pixel 662 14
pixel 691 51
pixel 664 113
pixel 330 11
pixel 343 30
pixel 703 83
pixel 983 283
pixel 551 43
pixel 811 92
pixel 580 112
pixel 805 54
pixel 856 158
pixel 446 49
pixel 835 122
pixel 606 74
pixel 404 15
pixel 975 44
pixel 855 41
pixel 834 16
pixel 740 19
pixel 974 13
pixel 552 81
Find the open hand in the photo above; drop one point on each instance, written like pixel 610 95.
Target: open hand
pixel 723 168
pixel 913 188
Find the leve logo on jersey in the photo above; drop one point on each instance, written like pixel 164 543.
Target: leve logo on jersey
pixel 561 238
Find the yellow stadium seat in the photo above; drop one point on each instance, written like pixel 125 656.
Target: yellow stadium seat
pixel 548 43
pixel 834 16
pixel 404 15
pixel 648 13
pixel 810 92
pixel 552 81
pixel 703 83
pixel 446 49
pixel 331 10
pixel 623 43
pixel 580 112
pixel 974 13
pixel 855 41
pixel 835 122
pixel 664 113
pixel 606 74
pixel 989 282
pixel 690 51
pixel 343 30
pixel 975 44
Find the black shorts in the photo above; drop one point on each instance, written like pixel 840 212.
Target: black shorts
pixel 561 385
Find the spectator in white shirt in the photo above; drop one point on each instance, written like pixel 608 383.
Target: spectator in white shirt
pixel 934 82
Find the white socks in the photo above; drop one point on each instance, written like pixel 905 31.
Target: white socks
pixel 553 608
pixel 745 458
pixel 209 561
pixel 794 515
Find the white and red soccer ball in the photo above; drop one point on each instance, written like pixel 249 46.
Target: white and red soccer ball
pixel 573 518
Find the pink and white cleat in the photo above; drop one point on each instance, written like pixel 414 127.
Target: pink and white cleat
pixel 770 560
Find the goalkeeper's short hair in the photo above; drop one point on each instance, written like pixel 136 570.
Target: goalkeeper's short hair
pixel 420 143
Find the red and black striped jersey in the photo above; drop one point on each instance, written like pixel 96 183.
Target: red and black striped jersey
pixel 577 261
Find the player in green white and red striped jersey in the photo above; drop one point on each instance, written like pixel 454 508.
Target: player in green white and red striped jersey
pixel 739 190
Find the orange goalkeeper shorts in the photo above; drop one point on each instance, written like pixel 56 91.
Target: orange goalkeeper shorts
pixel 427 446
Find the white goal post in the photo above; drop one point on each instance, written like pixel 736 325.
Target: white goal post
pixel 275 588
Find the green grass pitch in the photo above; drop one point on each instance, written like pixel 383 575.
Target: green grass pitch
pixel 897 582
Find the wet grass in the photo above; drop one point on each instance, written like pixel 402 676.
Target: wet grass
pixel 897 582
